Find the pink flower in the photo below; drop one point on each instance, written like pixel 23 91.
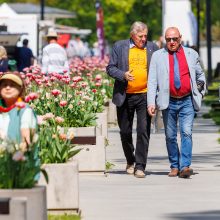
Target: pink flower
pixel 27 99
pixel 63 103
pixel 77 78
pixel 48 116
pixel 98 84
pixel 59 119
pixel 40 119
pixel 18 156
pixel 20 104
pixel 56 92
pixel 26 69
pixel 98 77
pixel 33 95
pixel 94 90
pixel 84 84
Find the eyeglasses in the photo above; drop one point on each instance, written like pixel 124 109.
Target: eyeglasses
pixel 174 39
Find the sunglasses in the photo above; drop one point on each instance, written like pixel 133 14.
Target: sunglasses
pixel 174 39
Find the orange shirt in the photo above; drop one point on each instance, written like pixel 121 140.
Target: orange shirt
pixel 138 63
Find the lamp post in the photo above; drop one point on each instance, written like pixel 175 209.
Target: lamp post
pixel 42 9
pixel 209 39
pixel 198 23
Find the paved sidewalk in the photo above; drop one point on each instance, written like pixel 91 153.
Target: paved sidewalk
pixel 157 197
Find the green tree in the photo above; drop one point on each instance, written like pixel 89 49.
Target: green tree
pixel 120 14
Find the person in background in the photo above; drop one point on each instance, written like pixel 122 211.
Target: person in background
pixel 3 60
pixel 77 48
pixel 128 65
pixel 54 58
pixel 25 56
pixel 17 120
pixel 176 85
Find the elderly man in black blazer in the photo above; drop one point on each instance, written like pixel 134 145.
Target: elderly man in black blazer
pixel 129 65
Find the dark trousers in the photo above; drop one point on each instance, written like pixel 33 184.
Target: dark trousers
pixel 125 114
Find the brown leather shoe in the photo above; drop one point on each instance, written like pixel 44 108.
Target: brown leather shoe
pixel 191 171
pixel 173 173
pixel 185 173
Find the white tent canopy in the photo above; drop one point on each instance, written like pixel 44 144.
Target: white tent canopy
pixel 6 11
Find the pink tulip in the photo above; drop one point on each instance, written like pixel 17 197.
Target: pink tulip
pixel 56 92
pixel 63 103
pixel 59 119
pixel 98 84
pixel 40 119
pixel 33 95
pixel 98 77
pixel 18 156
pixel 20 104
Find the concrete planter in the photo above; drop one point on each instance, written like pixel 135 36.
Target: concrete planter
pixel 102 123
pixel 63 186
pixel 34 205
pixel 92 142
pixel 92 158
pixel 111 113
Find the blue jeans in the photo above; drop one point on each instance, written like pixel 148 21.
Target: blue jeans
pixel 182 111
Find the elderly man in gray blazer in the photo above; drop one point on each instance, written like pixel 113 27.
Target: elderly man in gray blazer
pixel 128 65
pixel 176 85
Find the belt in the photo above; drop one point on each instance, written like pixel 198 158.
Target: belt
pixel 180 97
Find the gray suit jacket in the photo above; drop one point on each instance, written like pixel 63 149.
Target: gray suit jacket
pixel 118 65
pixel 158 79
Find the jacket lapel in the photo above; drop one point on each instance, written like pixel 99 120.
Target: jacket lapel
pixel 166 59
pixel 126 53
pixel 149 54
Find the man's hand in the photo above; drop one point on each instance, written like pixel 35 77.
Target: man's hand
pixel 128 76
pixel 151 110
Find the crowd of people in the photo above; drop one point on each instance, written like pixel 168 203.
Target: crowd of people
pixel 148 78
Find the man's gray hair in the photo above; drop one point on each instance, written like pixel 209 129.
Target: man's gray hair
pixel 138 26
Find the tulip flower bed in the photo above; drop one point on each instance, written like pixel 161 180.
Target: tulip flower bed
pixel 75 97
pixel 71 100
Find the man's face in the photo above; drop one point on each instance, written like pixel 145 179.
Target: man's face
pixel 140 38
pixel 173 39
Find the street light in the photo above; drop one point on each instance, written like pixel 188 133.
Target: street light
pixel 198 24
pixel 209 39
pixel 42 9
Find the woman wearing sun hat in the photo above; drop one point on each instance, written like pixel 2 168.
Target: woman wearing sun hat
pixel 17 120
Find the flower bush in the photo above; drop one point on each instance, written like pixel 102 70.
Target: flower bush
pixel 19 164
pixel 55 146
pixel 76 97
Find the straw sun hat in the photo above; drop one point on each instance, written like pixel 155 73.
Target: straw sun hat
pixel 51 33
pixel 13 78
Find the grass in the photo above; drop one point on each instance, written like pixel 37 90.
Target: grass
pixel 63 217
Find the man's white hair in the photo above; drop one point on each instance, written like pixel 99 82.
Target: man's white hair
pixel 138 26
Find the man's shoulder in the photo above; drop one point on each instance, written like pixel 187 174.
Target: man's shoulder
pixel 52 46
pixel 122 43
pixel 190 50
pixel 159 52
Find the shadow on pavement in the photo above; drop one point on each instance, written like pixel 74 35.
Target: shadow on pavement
pixel 207 215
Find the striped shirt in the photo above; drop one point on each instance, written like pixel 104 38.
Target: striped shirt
pixel 54 59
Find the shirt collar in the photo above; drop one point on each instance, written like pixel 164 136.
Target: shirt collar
pixel 131 45
pixel 178 50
